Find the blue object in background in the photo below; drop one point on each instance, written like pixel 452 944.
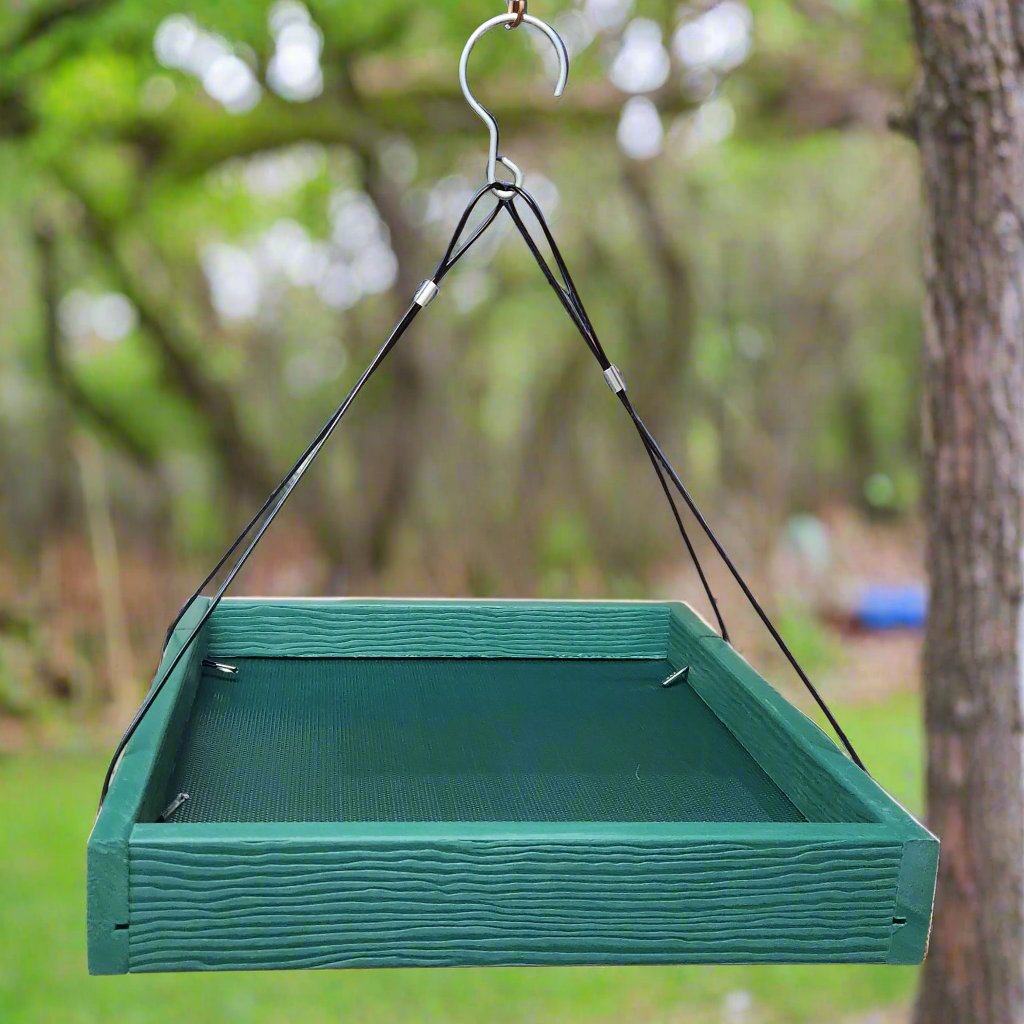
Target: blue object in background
pixel 891 606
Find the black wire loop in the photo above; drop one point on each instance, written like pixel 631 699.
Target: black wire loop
pixel 564 288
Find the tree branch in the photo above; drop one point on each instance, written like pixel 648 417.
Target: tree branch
pixel 242 461
pixel 61 374
pixel 43 19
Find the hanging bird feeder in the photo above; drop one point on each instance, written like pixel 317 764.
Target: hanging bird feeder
pixel 385 783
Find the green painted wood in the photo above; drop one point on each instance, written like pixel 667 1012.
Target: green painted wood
pixel 144 767
pixel 914 899
pixel 811 770
pixel 439 629
pixel 685 627
pixel 677 833
pixel 816 775
pixel 233 898
pixel 854 884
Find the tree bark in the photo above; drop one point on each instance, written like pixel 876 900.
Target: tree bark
pixel 969 122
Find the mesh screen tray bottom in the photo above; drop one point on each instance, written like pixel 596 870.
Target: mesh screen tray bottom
pixel 417 783
pixel 388 739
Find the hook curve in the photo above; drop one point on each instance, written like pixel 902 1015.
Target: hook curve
pixel 493 156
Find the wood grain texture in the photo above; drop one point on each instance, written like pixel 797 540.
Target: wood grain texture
pixel 818 777
pixel 685 628
pixel 823 783
pixel 201 904
pixel 439 629
pixel 145 762
pixel 853 885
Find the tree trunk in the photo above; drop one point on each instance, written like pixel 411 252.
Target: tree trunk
pixel 969 122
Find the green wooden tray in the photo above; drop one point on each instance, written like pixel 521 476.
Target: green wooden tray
pixel 410 783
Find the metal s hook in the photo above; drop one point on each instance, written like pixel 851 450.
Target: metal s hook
pixel 493 156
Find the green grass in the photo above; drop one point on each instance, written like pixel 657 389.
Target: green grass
pixel 47 803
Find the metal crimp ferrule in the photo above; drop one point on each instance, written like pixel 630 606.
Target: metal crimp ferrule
pixel 614 379
pixel 425 293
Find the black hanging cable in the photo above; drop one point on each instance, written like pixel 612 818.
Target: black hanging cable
pixel 723 629
pixel 570 299
pixel 283 490
pixel 574 307
pixel 731 566
pixel 448 260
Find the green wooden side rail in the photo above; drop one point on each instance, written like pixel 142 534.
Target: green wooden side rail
pixel 345 628
pixel 833 870
pixel 378 896
pixel 145 764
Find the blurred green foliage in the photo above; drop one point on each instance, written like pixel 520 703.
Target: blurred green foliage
pixel 814 646
pixel 199 257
